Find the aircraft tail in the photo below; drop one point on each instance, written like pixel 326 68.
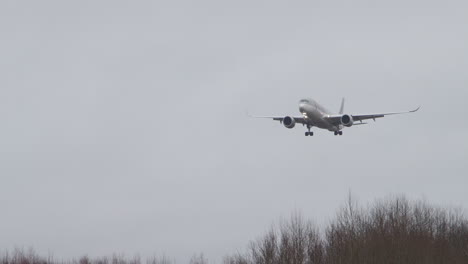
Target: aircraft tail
pixel 342 106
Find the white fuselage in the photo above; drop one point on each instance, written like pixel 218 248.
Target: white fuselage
pixel 315 115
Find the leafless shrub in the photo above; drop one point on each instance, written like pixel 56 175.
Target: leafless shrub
pixel 160 260
pixel 84 260
pixel 198 259
pixel 296 241
pixel 21 256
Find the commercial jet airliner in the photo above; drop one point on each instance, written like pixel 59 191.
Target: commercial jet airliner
pixel 315 115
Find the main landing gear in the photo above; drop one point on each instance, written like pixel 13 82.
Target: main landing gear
pixel 309 133
pixel 338 133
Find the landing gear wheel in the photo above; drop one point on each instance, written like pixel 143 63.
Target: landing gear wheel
pixel 341 133
pixel 336 133
pixel 309 133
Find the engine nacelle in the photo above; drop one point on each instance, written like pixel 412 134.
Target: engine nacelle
pixel 347 120
pixel 289 122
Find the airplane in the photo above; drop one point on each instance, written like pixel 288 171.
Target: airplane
pixel 315 115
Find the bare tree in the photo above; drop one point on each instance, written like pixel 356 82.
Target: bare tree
pixel 198 259
pixel 160 260
pixel 236 259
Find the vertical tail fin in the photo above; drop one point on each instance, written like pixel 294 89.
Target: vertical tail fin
pixel 342 106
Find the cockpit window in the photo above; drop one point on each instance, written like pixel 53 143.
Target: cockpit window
pixel 304 101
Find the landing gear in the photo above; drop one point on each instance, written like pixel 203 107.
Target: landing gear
pixel 338 133
pixel 309 133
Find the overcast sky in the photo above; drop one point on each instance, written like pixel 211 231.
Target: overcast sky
pixel 123 126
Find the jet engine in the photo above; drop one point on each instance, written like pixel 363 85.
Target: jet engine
pixel 289 122
pixel 347 120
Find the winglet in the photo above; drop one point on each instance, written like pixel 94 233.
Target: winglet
pixel 342 106
pixel 415 110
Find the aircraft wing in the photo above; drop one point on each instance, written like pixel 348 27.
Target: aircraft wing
pixel 298 119
pixel 335 119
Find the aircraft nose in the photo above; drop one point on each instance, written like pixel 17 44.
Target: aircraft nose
pixel 301 107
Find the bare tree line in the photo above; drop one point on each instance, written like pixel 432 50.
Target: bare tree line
pixel 393 231
pixel 21 256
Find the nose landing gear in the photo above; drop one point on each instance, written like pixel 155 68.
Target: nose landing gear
pixel 338 133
